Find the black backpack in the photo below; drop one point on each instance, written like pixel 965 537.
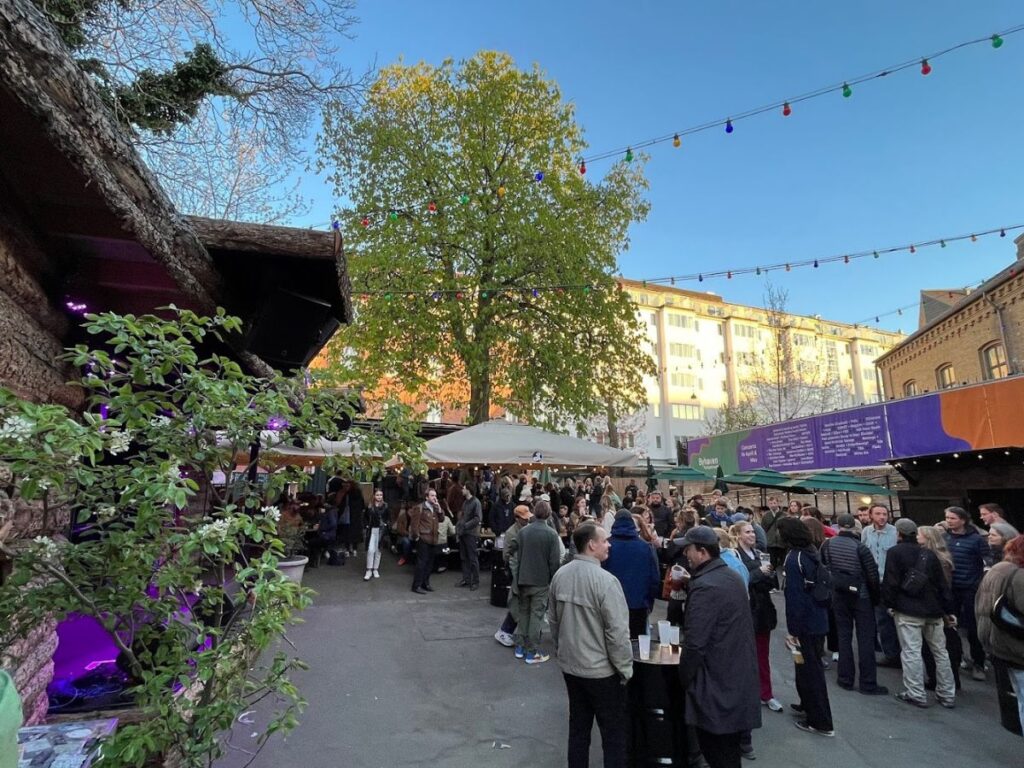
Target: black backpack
pixel 820 583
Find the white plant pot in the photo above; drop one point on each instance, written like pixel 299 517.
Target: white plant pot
pixel 293 568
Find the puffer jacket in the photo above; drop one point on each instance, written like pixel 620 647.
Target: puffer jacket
pixel 997 642
pixel 971 554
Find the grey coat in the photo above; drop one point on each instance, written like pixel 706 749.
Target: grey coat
pixel 539 555
pixel 718 666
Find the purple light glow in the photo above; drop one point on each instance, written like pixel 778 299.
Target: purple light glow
pixel 275 423
pixel 75 307
pixel 104 412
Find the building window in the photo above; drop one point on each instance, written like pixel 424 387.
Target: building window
pixel 679 321
pixel 869 350
pixel 745 331
pixel 945 377
pixel 746 358
pixel 683 350
pixel 657 441
pixel 686 411
pixel 868 374
pixel 802 340
pixel 993 361
pixel 683 380
pixel 656 410
pixel 909 388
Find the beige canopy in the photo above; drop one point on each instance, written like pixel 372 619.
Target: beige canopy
pixel 501 443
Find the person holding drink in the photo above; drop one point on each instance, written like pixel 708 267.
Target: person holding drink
pixel 762 581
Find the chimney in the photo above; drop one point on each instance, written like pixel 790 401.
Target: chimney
pixel 1019 242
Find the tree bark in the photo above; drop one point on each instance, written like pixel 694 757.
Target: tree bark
pixel 480 391
pixel 613 427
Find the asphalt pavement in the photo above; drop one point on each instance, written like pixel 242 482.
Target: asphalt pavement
pixel 400 679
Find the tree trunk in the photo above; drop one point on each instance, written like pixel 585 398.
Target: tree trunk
pixel 480 391
pixel 613 427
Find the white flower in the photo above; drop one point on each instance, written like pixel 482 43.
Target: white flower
pixel 158 422
pixel 45 484
pixel 47 548
pixel 119 441
pixel 16 428
pixel 217 530
pixel 106 512
pixel 273 513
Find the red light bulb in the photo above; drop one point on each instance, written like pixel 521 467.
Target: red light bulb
pixel 583 168
pixel 926 68
pixel 432 206
pixel 786 110
pixel 365 222
pixel 458 295
pixel 913 249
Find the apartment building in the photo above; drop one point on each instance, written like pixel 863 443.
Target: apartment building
pixel 711 353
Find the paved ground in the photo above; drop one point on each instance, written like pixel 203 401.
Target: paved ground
pixel 399 679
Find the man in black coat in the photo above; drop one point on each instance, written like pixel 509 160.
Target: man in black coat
pixel 718 665
pixel 915 589
pixel 856 593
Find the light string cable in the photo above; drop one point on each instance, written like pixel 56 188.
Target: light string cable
pixel 845 87
pixel 846 258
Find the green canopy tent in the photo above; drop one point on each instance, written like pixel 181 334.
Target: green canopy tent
pixel 760 478
pixel 837 482
pixel 683 475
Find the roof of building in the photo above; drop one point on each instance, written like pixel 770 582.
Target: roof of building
pixel 958 305
pixel 70 170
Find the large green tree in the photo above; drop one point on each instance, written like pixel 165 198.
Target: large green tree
pixel 468 195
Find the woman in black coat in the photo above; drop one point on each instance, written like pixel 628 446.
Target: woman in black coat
pixel 355 504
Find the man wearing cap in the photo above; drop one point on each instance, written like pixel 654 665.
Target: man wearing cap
pixel 718 665
pixel 589 625
pixel 914 588
pixel 856 593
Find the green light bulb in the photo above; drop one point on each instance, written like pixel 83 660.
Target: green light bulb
pixel 463 198
pixel 847 91
pixel 629 155
pixel 996 41
pixel 393 215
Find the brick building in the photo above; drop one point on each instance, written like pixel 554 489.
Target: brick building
pixel 965 337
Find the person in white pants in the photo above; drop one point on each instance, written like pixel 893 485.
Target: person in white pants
pixel 376 520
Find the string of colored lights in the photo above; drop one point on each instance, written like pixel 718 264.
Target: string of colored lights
pixel 877 317
pixel 369 218
pixel 786 105
pixel 762 269
pixel 846 258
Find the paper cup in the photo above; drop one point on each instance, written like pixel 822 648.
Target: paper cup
pixel 663 629
pixel 645 646
pixel 673 635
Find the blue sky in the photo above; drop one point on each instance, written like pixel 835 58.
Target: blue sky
pixel 906 158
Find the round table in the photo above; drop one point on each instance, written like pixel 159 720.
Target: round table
pixel 657 731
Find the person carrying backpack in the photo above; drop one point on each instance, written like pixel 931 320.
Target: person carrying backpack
pixel 808 589
pixel 914 588
pixel 855 593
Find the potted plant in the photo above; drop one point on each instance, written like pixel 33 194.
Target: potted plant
pixel 293 560
pixel 183 576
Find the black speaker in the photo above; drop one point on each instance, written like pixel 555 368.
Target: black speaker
pixel 290 329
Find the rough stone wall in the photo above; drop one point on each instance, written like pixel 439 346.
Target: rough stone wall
pixel 30 346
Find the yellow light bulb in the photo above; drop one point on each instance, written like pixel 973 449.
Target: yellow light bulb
pixel 501 191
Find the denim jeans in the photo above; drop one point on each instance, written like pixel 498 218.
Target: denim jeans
pixel 964 599
pixel 605 699
pixel 424 564
pixel 914 630
pixel 887 635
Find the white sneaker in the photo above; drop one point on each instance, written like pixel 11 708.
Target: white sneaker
pixel 376 573
pixel 773 704
pixel 504 638
pixel 835 655
pixel 367 576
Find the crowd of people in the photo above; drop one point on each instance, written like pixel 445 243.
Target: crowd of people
pixel 858 592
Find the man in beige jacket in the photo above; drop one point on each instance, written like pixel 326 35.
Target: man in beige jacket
pixel 589 623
